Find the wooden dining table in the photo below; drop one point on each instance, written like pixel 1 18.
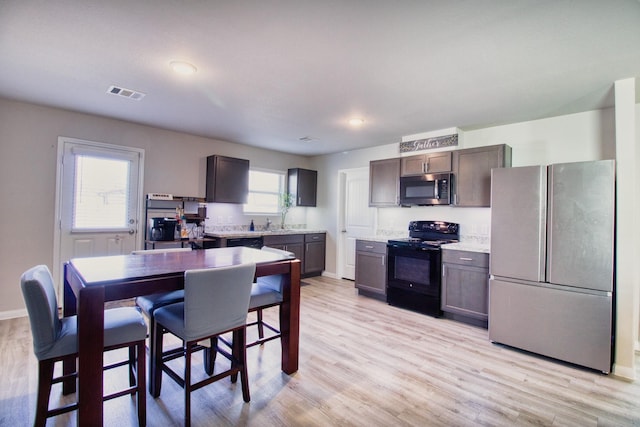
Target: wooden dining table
pixel 90 282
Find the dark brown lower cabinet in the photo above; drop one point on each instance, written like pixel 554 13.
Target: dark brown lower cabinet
pixel 308 248
pixel 314 254
pixel 371 268
pixel 465 283
pixel 288 242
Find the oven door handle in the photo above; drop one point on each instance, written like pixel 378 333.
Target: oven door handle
pixel 436 191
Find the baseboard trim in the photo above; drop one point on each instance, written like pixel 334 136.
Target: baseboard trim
pixel 627 373
pixel 12 314
pixel 329 275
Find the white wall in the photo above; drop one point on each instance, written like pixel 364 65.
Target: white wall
pixel 174 163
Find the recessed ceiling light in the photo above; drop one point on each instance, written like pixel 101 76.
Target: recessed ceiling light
pixel 182 67
pixel 356 121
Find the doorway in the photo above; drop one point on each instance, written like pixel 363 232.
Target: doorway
pixel 98 201
pixel 356 218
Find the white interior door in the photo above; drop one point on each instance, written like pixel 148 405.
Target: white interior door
pixel 357 219
pixel 98 200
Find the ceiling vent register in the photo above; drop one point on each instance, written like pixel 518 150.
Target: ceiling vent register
pixel 126 93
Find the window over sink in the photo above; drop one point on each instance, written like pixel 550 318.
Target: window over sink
pixel 265 187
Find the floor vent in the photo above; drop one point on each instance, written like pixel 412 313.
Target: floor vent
pixel 126 93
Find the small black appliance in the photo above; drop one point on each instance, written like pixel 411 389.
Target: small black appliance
pixel 162 228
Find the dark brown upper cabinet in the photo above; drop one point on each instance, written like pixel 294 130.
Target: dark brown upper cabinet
pixel 426 163
pixel 303 184
pixel 227 179
pixel 472 173
pixel 384 182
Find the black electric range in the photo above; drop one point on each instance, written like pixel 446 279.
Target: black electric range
pixel 414 266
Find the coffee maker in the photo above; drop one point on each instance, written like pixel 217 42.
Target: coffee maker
pixel 162 228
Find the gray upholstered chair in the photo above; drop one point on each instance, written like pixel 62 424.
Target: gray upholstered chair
pixel 56 339
pixel 267 292
pixel 216 301
pixel 149 303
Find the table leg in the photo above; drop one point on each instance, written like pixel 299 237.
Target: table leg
pixel 90 349
pixel 69 308
pixel 290 319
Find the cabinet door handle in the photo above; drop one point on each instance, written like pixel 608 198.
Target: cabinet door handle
pixel 466 259
pixel 382 259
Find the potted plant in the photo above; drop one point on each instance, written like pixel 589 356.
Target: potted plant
pixel 286 202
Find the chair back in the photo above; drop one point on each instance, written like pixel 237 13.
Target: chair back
pixel 274 282
pixel 216 299
pixel 159 251
pixel 42 306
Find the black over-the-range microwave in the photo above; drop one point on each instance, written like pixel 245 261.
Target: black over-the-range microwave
pixel 426 189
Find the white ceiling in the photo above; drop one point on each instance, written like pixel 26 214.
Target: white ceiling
pixel 271 72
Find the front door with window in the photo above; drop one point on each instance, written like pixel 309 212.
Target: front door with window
pixel 98 200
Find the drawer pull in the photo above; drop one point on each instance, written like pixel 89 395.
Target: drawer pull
pixel 466 259
pixel 369 247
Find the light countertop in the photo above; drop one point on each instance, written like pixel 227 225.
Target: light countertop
pixel 471 247
pixel 260 233
pixel 374 238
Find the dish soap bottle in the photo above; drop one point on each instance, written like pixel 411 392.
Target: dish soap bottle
pixel 252 227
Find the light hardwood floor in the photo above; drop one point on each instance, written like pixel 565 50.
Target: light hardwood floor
pixel 362 363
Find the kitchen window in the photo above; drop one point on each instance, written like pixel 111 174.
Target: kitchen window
pixel 265 188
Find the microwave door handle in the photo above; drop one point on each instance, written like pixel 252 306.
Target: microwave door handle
pixel 436 192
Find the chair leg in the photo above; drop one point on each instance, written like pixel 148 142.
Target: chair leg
pixel 132 366
pixel 260 324
pixel 155 368
pixel 209 355
pixel 187 384
pixel 141 355
pixel 69 367
pixel 45 376
pixel 244 377
pixel 152 352
pixel 235 353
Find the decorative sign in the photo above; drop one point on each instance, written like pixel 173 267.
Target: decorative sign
pixel 429 143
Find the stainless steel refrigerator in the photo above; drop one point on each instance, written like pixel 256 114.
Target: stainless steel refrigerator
pixel 552 260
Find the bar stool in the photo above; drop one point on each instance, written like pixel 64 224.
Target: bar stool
pixel 56 339
pixel 267 292
pixel 216 301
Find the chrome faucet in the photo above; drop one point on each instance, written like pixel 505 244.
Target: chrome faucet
pixel 268 224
